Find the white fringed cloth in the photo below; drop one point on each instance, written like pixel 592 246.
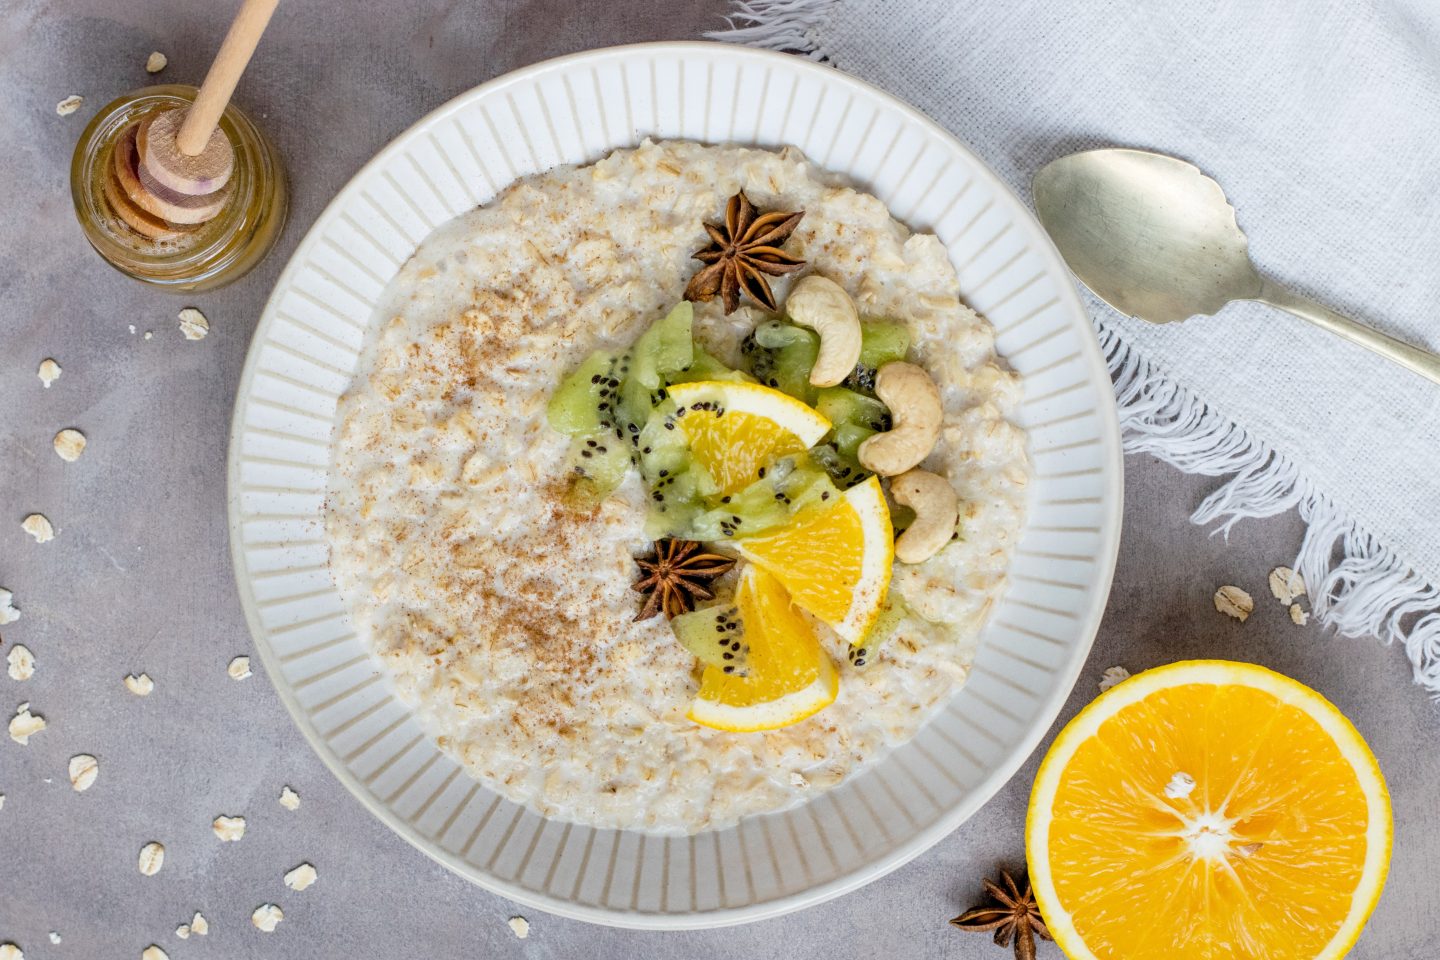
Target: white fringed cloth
pixel 1322 122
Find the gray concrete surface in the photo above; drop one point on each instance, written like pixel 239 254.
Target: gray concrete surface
pixel 138 577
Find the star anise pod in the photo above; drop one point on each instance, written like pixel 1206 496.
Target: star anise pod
pixel 745 249
pixel 1014 917
pixel 676 576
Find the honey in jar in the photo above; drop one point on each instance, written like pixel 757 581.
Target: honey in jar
pixel 146 229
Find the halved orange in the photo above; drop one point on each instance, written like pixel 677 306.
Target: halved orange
pixel 1208 809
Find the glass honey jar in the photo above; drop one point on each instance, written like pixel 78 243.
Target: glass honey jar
pixel 201 256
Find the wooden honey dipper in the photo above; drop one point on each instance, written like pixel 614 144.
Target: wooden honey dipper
pixel 172 170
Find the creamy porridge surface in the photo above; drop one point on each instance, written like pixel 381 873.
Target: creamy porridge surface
pixel 503 615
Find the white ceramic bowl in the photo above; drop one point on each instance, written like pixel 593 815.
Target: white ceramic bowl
pixel 577 109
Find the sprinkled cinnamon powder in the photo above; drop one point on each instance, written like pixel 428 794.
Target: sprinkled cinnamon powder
pixel 531 615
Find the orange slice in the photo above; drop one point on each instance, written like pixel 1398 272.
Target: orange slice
pixel 1208 810
pixel 735 429
pixel 834 559
pixel 790 676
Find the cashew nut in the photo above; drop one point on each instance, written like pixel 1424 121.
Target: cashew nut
pixel 825 307
pixel 937 510
pixel 914 403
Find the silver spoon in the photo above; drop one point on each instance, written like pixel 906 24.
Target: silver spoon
pixel 1155 238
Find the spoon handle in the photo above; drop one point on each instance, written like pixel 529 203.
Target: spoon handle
pixel 1412 358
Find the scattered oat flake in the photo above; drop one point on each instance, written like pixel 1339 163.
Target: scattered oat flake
pixel 8 951
pixel 21 662
pixel 1112 676
pixel 1298 616
pixel 1286 585
pixel 69 444
pixel 49 372
pixel 193 324
pixel 38 526
pixel 199 925
pixel 25 724
pixel 1180 785
pixel 83 771
pixel 239 668
pixel 520 926
pixel 183 931
pixel 141 685
pixel 153 952
pixel 8 611
pixel 54 937
pixel 152 858
pixel 1234 602
pixel 229 829
pixel 149 334
pixel 267 917
pixel 301 877
pixel 156 62
pixel 2 801
pixel 289 799
pixel 69 105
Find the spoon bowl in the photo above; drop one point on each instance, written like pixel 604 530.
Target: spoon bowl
pixel 1156 239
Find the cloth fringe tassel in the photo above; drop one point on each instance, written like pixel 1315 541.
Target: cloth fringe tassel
pixel 1356 585
pixel 789 25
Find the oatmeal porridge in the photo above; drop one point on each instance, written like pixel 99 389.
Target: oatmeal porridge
pixel 502 607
